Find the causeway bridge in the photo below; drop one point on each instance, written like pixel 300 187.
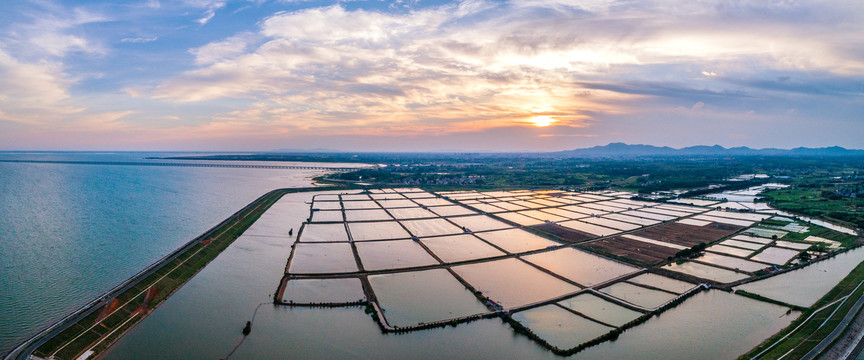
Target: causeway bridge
pixel 182 164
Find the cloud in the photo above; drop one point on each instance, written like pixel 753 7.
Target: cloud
pixel 223 50
pixel 810 84
pixel 33 93
pixel 567 135
pixel 316 69
pixel 208 4
pixel 37 95
pixel 209 14
pixel 59 44
pixel 34 80
pixel 210 7
pixel 662 89
pixel 139 39
pixel 54 32
pixel 479 65
pixel 446 70
pixel 35 76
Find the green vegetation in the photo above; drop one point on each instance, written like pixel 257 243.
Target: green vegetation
pixel 96 334
pixel 511 172
pixel 802 339
pixel 561 170
pixel 247 329
pixel 773 222
pixel 690 253
pixel 768 300
pixel 844 239
pixel 821 200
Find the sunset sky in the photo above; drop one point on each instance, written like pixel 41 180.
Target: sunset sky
pixel 521 75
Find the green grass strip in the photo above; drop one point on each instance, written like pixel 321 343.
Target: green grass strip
pixel 810 334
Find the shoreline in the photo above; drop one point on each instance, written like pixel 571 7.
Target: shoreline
pixel 105 341
pixel 242 217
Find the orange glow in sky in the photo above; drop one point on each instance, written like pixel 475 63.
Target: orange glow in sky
pixel 460 75
pixel 542 121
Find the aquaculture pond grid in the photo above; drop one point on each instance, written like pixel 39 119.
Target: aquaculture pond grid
pixel 543 260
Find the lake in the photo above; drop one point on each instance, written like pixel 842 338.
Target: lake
pixel 69 232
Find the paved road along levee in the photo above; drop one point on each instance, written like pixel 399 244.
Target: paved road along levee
pixel 182 164
pixel 841 327
pixel 24 350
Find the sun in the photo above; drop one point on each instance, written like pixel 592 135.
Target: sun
pixel 542 121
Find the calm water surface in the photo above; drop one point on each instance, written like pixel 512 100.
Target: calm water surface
pixel 807 285
pixel 204 319
pixel 71 232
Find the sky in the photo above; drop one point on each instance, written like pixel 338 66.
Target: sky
pixel 427 75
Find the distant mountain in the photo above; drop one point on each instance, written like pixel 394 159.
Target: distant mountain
pixel 625 150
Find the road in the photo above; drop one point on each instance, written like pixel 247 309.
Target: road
pixel 841 327
pixel 23 350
